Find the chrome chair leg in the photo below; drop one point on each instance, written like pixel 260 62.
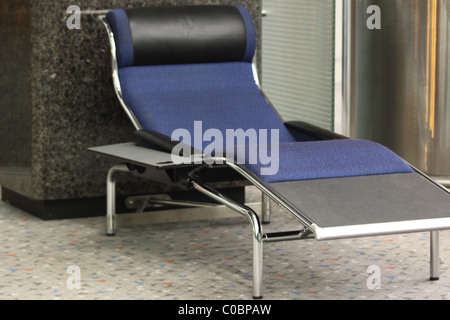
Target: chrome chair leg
pixel 257 267
pixel 265 209
pixel 111 198
pixel 256 227
pixel 434 255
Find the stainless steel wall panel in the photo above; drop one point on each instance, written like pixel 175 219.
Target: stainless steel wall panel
pixel 398 80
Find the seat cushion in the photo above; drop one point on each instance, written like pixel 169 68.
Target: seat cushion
pixel 328 159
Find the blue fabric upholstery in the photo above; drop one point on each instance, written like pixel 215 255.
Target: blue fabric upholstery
pixel 224 96
pixel 332 159
pixel 251 34
pixel 221 95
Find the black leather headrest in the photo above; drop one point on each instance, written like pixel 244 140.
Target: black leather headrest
pixel 183 34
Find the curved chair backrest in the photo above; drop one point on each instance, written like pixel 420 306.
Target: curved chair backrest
pixel 180 65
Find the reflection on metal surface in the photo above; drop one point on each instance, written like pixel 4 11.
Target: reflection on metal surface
pixel 115 74
pixel 398 92
pixel 445 181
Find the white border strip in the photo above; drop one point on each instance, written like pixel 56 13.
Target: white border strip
pixel 377 229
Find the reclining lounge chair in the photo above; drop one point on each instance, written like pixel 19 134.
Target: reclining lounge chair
pixel 186 79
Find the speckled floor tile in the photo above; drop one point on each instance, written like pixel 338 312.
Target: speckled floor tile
pixel 205 260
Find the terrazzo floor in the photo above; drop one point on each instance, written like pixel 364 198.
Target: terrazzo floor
pixel 206 260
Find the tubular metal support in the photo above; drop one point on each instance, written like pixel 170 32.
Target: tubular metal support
pixel 295 213
pixel 111 198
pixel 287 235
pixel 434 255
pixel 115 74
pixel 430 179
pixel 257 232
pixel 265 209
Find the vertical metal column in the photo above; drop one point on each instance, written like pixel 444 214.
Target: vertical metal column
pixel 434 255
pixel 256 227
pixel 265 209
pixel 398 89
pixel 111 198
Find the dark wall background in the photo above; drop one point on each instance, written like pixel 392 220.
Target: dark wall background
pixel 57 98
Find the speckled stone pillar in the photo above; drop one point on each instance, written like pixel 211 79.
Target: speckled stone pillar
pixel 57 100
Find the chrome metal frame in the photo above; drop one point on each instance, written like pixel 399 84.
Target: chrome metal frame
pixel 257 232
pixel 265 209
pixel 265 201
pixel 354 231
pixel 444 181
pixel 111 198
pixel 431 225
pixel 434 255
pixel 308 230
pixel 301 217
pixel 115 74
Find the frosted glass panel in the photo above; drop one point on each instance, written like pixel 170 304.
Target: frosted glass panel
pixel 298 59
